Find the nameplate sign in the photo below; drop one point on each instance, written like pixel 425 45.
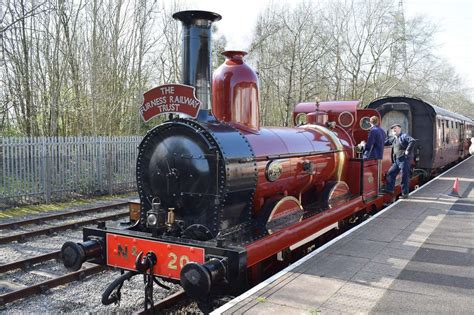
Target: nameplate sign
pixel 169 98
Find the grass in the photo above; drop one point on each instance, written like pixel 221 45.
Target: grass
pixel 261 299
pixel 314 311
pixel 41 208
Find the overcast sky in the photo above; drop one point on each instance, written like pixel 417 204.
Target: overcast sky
pixel 454 19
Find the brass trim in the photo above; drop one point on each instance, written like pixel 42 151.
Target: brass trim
pixel 337 143
pixel 339 119
pixel 310 180
pixel 280 202
pixel 273 170
pixel 297 123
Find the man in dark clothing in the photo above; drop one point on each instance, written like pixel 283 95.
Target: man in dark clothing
pixel 375 142
pixel 402 153
pixel 374 147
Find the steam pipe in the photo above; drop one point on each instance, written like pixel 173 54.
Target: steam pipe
pixel 196 54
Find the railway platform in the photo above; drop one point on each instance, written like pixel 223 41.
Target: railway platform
pixel 415 256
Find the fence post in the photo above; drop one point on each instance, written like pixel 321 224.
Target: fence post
pixel 110 171
pixel 6 173
pixel 46 171
pixel 4 167
pixel 99 164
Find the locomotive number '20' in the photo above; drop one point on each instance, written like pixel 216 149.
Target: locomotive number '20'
pixel 173 264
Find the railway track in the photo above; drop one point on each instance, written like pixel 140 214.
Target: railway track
pixel 26 263
pixel 56 216
pixel 165 303
pixel 180 303
pixel 52 229
pixel 44 286
pixel 21 291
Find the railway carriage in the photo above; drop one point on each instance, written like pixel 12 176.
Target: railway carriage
pixel 443 137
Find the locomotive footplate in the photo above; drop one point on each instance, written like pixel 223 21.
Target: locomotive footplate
pixel 120 248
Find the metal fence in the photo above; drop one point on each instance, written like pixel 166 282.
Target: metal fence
pixel 46 168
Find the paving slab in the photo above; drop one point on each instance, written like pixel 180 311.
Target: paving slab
pixel 335 266
pixel 415 257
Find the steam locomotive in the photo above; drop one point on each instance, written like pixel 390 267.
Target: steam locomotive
pixel 223 199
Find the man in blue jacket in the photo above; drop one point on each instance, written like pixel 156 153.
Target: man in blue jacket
pixel 402 154
pixel 375 142
pixel 373 149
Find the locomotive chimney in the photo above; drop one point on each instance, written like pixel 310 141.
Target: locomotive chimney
pixel 196 60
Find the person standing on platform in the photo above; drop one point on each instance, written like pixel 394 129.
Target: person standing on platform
pixel 402 153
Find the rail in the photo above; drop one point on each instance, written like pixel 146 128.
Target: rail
pixel 63 227
pixel 48 284
pixel 62 215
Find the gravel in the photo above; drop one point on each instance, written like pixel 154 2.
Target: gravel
pixel 85 297
pixel 78 297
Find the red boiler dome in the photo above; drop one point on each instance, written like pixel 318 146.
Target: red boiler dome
pixel 235 92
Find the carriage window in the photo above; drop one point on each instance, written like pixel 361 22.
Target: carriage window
pixel 442 137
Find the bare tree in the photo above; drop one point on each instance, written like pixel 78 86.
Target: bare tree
pixel 81 67
pixel 289 47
